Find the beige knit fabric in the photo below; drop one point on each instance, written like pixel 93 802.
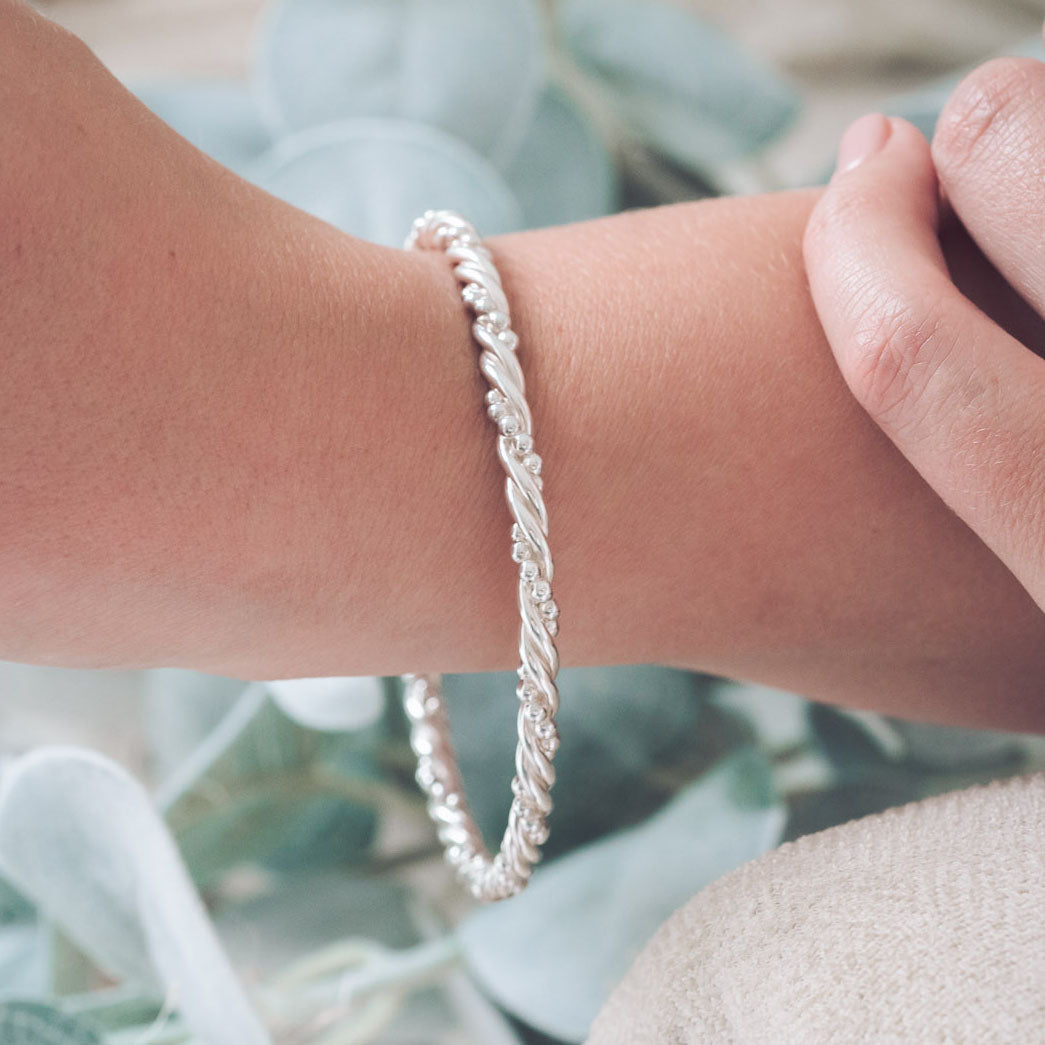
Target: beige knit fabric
pixel 922 924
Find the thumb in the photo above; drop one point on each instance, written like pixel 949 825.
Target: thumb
pixel 960 398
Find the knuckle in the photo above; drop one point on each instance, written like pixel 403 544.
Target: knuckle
pixel 985 104
pixel 1011 467
pixel 898 350
pixel 837 215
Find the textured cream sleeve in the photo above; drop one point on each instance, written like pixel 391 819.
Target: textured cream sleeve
pixel 921 924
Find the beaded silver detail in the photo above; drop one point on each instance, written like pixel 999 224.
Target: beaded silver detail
pixel 496 877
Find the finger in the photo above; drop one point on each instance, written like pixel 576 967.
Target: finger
pixel 989 151
pixel 962 399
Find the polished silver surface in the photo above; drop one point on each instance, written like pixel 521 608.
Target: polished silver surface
pixel 495 877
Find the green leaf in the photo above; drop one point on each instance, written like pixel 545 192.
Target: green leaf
pixel 372 177
pixel 552 954
pixel 471 68
pixel 679 84
pixel 951 748
pixel 622 729
pixel 858 743
pixel 778 719
pixel 332 705
pixel 82 839
pixel 563 172
pixel 14 907
pixel 23 960
pixel 261 788
pixel 31 1023
pixel 219 117
pixel 307 911
pixel 862 750
pixel 181 709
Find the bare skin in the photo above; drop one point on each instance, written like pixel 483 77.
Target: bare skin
pixel 234 439
pixel 961 397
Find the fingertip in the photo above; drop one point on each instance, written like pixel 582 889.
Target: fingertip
pixel 885 173
pixel 876 133
pixel 872 251
pixel 862 139
pixel 885 179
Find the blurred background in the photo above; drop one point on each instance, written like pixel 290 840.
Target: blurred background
pixel 327 913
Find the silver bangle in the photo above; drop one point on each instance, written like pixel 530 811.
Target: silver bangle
pixel 496 877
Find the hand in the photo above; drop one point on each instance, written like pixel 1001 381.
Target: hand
pixel 961 397
pixel 234 439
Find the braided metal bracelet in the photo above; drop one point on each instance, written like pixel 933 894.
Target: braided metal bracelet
pixel 496 877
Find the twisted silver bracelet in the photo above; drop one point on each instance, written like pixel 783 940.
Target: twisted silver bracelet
pixel 496 877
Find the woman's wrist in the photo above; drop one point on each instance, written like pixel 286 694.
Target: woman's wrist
pixel 721 502
pixel 717 498
pixel 237 440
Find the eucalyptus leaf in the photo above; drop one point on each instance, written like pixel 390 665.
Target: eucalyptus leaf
pixel 118 1009
pixel 261 788
pixel 14 907
pixel 679 84
pixel 470 67
pixel 306 911
pixel 949 747
pixel 326 940
pixel 23 960
pixel 779 719
pixel 181 709
pixel 220 117
pixel 859 743
pixel 622 729
pixel 552 955
pixel 563 171
pixel 372 177
pixel 866 755
pixel 82 839
pixel 330 704
pixel 32 1023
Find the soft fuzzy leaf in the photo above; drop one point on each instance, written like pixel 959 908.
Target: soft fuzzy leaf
pixel 181 709
pixel 219 117
pixel 14 907
pixel 32 1023
pixel 621 728
pixel 306 911
pixel 261 788
pixel 370 924
pixel 82 839
pixel 563 171
pixel 778 719
pixel 330 704
pixel 469 67
pixel 23 960
pixel 552 954
pixel 858 742
pixel 862 750
pixel 949 747
pixel 680 85
pixel 371 178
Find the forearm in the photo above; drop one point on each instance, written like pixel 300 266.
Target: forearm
pixel 719 500
pixel 260 449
